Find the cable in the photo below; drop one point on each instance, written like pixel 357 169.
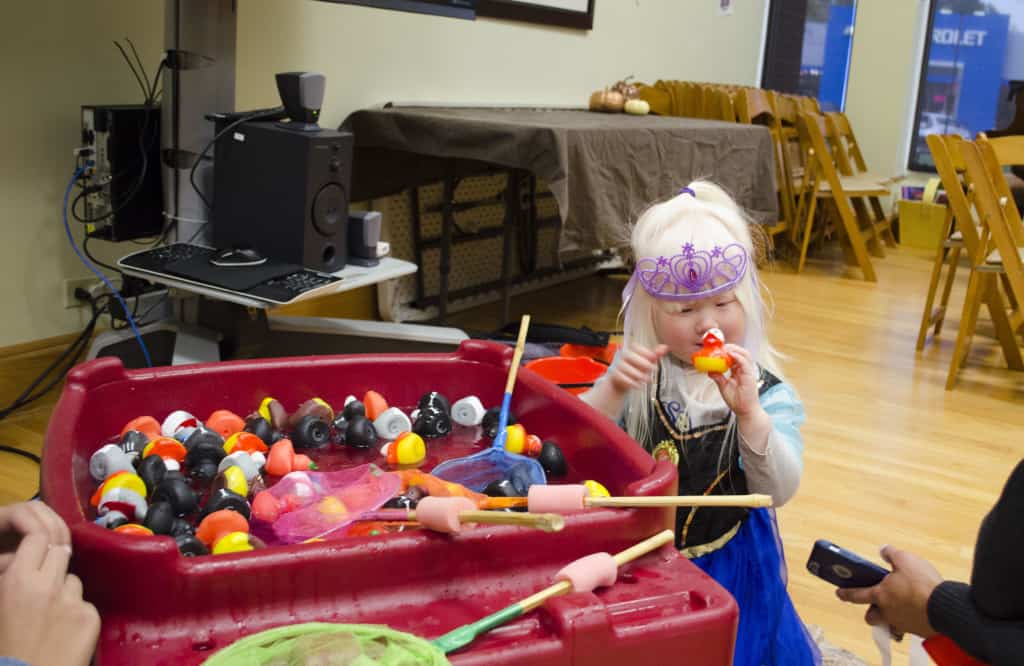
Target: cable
pixel 85 248
pixel 71 239
pixel 192 173
pixel 138 78
pixel 153 92
pixel 142 68
pixel 74 351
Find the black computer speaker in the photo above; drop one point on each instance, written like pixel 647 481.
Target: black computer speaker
pixel 284 193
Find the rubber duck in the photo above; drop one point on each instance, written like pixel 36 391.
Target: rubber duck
pixel 314 407
pixel 147 425
pixel 552 459
pixel 274 413
pixel 391 423
pixel 468 411
pixel 236 542
pixel 133 529
pixel 490 421
pixel 225 422
pixel 311 432
pixel 712 358
pixel 432 422
pixel 435 400
pixel 283 459
pixel 175 490
pixel 232 478
pixel 132 443
pixel 152 470
pixel 517 441
pixel 260 427
pixel 120 479
pixel 521 479
pixel 353 408
pixel 177 420
pixel 249 463
pixel 223 498
pixel 108 460
pixel 407 449
pixel 595 489
pixel 189 546
pixel 501 488
pixel 374 405
pixel 111 520
pixel 160 518
pixel 360 433
pixel 244 441
pixel 203 459
pixel 171 450
pixel 219 523
pixel 127 502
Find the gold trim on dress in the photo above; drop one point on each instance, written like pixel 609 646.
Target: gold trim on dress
pixel 693 552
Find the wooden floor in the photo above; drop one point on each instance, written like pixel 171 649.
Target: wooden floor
pixel 890 456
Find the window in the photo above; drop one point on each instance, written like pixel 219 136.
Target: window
pixel 973 59
pixel 807 50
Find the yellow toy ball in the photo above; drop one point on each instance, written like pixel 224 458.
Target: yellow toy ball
pixel 595 489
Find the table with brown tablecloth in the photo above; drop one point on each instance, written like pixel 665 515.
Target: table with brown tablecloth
pixel 603 169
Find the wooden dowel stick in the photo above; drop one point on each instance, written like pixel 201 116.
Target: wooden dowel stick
pixel 681 500
pixel 517 356
pixel 628 555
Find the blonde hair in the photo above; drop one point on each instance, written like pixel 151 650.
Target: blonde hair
pixel 709 217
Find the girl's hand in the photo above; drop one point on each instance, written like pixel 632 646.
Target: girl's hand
pixel 634 367
pixel 739 388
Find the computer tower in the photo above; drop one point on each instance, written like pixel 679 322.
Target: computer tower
pixel 122 197
pixel 283 192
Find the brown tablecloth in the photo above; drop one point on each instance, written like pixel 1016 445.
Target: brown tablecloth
pixel 604 169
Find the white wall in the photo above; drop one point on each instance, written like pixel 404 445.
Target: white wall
pixel 884 69
pixel 372 56
pixel 57 55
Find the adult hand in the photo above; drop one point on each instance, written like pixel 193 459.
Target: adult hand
pixel 901 599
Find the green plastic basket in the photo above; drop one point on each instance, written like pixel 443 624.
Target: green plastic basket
pixel 330 644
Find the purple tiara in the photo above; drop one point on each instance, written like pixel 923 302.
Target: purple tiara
pixel 693 273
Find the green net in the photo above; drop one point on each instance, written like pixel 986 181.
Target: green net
pixel 326 644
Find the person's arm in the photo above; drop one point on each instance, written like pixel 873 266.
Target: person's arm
pixel 768 426
pixel 986 618
pixel 631 370
pixel 773 463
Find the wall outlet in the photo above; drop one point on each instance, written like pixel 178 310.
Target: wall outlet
pixel 86 283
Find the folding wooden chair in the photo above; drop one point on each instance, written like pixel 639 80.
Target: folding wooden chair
pixel 862 232
pixel 754 107
pixel 959 215
pixel 1000 256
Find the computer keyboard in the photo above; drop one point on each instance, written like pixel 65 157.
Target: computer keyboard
pixel 273 282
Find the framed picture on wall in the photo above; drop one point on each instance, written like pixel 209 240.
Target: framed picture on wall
pixel 565 13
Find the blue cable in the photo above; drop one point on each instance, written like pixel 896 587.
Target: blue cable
pixel 101 276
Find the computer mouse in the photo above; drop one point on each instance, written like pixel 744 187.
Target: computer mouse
pixel 239 256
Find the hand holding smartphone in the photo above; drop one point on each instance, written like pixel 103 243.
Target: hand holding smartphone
pixel 843 568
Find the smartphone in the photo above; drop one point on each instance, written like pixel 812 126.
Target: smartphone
pixel 843 568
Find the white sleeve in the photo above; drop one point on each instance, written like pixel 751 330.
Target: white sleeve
pixel 777 471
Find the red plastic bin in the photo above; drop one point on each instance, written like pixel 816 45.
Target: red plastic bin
pixel 161 608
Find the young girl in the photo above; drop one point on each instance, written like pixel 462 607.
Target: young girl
pixel 729 433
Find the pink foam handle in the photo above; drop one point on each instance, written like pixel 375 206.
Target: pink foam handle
pixel 589 573
pixel 556 499
pixel 441 514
